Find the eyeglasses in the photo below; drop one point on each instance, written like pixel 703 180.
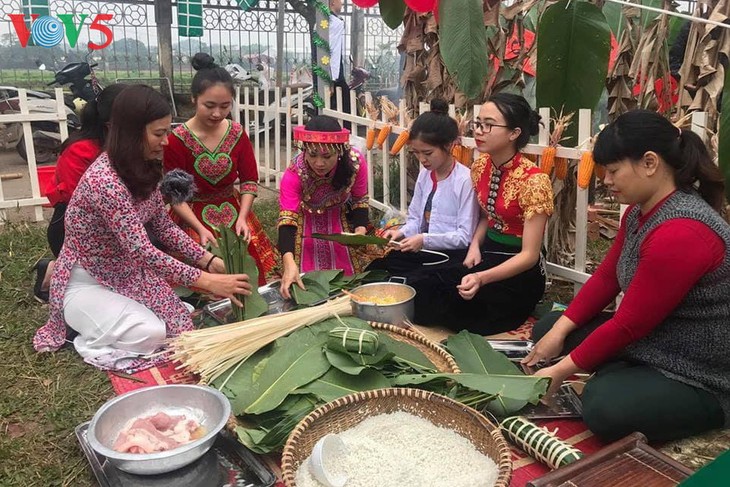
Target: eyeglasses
pixel 475 125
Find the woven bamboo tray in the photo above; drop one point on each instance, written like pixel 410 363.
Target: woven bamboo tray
pixel 443 361
pixel 348 411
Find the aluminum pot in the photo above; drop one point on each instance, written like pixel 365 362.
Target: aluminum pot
pixel 206 405
pixel 395 313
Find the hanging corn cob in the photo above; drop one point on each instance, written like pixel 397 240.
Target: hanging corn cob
pixel 539 443
pixel 585 169
pixel 549 159
pixel 403 137
pixel 462 153
pixel 391 116
pixel 561 168
pixel 373 113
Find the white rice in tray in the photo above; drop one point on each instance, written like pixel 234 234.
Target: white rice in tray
pixel 397 449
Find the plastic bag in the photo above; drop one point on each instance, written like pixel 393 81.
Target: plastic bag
pixel 392 219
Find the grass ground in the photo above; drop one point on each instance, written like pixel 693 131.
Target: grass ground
pixel 45 396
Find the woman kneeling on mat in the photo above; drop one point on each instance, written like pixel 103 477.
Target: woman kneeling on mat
pixel 661 361
pixel 444 212
pixel 110 284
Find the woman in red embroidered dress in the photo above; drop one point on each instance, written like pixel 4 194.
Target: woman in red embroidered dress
pixel 110 284
pixel 217 151
pixel 502 278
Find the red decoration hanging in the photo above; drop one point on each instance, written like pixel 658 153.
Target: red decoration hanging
pixel 420 6
pixel 436 10
pixel 365 3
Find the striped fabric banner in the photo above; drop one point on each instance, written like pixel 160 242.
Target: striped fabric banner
pixel 190 18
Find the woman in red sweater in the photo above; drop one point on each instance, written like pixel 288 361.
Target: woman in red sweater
pixel 78 152
pixel 661 361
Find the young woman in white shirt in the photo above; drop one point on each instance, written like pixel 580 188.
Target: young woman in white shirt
pixel 444 212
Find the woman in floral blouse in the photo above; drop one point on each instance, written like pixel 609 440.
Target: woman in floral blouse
pixel 502 278
pixel 110 284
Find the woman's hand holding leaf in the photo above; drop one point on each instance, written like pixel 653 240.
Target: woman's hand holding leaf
pixel 227 285
pixel 290 276
pixel 392 234
pixel 217 266
pixel 242 229
pixel 206 237
pixel 361 230
pixel 412 244
pixel 547 348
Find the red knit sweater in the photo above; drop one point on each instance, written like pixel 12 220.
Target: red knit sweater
pixel 72 164
pixel 673 257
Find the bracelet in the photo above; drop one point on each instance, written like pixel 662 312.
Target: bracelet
pixel 207 266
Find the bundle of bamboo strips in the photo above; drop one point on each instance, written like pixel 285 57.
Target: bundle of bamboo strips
pixel 211 351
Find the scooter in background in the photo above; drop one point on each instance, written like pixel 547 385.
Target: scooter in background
pixel 46 134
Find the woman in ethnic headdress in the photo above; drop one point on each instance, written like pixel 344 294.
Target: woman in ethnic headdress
pixel 324 190
pixel 217 152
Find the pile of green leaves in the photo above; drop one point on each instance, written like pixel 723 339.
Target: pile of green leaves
pixel 322 284
pixel 233 249
pixel 280 384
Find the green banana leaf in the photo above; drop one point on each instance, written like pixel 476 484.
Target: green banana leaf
pixel 574 42
pixel 615 17
pixel 271 433
pixel 463 44
pixel 723 150
pixel 295 360
pixel 335 384
pixel 233 249
pixel 343 362
pixel 406 354
pixel 392 12
pixel 316 289
pixel 474 354
pixel 510 392
pixel 352 238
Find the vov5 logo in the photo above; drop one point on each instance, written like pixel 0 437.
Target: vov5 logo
pixel 48 31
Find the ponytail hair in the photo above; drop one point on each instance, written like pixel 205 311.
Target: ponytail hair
pixel 95 117
pixel 435 127
pixel 637 132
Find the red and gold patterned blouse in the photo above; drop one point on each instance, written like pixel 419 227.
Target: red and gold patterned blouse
pixel 512 193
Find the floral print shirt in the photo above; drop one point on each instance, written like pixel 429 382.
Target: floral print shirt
pixel 105 235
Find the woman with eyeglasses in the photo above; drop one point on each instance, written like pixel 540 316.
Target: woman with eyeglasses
pixel 502 277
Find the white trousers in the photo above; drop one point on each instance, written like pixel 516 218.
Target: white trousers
pixel 110 326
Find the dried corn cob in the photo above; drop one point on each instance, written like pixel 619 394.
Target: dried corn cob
pixel 383 135
pixel 561 168
pixel 585 169
pixel 548 160
pixel 400 142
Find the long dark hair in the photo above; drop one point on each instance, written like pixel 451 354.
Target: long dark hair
pixel 637 132
pixel 133 109
pixel 435 127
pixel 95 117
pixel 208 74
pixel 518 114
pixel 344 169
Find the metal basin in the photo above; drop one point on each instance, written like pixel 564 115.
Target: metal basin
pixel 365 302
pixel 204 404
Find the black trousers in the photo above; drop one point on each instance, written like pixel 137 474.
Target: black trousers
pixel 56 232
pixel 624 396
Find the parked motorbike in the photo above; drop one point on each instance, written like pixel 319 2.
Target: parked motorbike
pixel 46 135
pixel 261 83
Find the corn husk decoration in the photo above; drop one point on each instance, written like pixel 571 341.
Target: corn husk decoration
pixel 346 339
pixel 463 154
pixel 539 443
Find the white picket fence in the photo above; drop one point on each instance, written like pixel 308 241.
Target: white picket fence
pixel 274 149
pixel 25 117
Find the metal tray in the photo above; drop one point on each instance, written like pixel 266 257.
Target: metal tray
pixel 565 405
pixel 220 311
pixel 227 464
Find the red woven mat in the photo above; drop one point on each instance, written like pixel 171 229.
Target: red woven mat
pixel 161 374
